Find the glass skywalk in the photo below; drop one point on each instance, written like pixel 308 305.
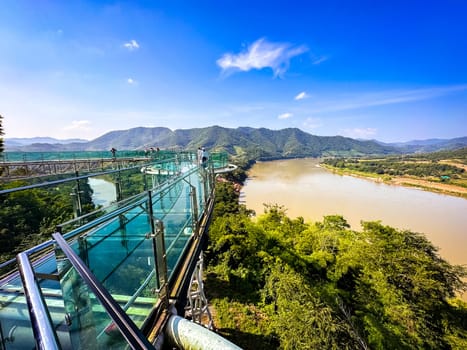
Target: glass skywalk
pixel 132 248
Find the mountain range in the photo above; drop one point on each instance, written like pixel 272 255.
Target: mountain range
pixel 260 142
pixel 430 145
pixel 24 141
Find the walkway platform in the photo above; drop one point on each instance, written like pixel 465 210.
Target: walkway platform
pixel 106 279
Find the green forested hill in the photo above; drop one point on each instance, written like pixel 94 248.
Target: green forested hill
pixel 262 142
pixel 259 143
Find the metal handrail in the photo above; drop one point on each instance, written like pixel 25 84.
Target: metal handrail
pixel 127 328
pixel 74 178
pixel 42 326
pixel 164 187
pixel 105 217
pixel 94 223
pixel 119 204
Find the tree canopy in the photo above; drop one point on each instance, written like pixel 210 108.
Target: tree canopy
pixel 298 285
pixel 29 217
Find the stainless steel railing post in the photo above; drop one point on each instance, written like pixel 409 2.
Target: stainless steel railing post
pixel 42 325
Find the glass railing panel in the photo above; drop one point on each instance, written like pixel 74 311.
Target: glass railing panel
pixel 178 232
pixel 200 190
pixel 160 203
pixel 176 200
pixel 164 200
pixel 178 227
pixel 48 156
pixel 124 247
pixel 173 207
pixel 92 314
pixel 131 182
pixel 42 208
pixel 104 214
pixel 119 253
pixel 90 327
pixel 219 160
pixel 127 278
pixel 113 245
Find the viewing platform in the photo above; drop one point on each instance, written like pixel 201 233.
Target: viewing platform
pixel 115 277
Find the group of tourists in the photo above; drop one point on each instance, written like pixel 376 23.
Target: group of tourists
pixel 202 157
pixel 202 154
pixel 150 151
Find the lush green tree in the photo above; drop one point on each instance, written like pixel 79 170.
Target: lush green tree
pixel 299 316
pixel 323 286
pixel 235 251
pixel 398 287
pixel 20 216
pixel 227 200
pixel 29 217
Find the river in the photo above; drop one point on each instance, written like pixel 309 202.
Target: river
pixel 104 191
pixel 307 190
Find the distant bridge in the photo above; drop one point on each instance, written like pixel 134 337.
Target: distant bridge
pixel 115 278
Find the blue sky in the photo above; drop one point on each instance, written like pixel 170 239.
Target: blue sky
pixel 386 70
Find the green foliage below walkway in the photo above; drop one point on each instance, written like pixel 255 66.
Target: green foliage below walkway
pixel 278 282
pixel 29 217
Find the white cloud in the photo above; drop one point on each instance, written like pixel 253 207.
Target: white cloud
pixel 261 54
pixel 312 123
pixel 359 133
pixel 301 96
pixel 382 98
pixel 284 116
pixel 131 81
pixel 131 45
pixel 78 125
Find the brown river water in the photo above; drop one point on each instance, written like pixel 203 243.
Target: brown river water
pixel 307 190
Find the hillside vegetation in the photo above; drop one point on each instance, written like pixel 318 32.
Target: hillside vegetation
pixel 257 143
pixel 277 282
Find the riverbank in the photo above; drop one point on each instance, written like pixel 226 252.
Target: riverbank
pixel 261 273
pixel 310 191
pixel 407 181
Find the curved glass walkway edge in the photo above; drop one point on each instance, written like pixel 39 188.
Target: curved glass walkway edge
pixel 106 274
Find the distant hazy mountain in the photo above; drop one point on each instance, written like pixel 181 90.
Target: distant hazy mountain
pixel 262 143
pixel 430 145
pixel 13 142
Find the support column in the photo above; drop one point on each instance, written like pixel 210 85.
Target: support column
pixel 160 256
pixel 194 209
pixel 197 309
